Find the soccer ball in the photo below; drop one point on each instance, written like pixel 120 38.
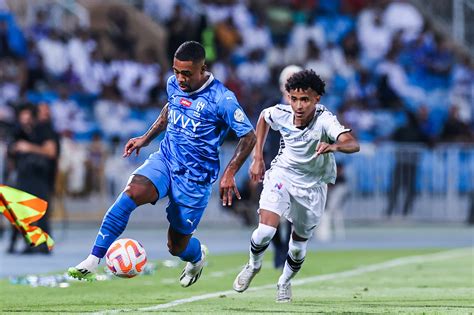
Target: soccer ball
pixel 126 258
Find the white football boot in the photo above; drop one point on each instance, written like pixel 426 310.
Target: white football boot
pixel 243 279
pixel 192 272
pixel 283 293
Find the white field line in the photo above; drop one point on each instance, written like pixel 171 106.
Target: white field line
pixel 332 276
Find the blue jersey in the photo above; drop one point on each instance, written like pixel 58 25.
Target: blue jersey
pixel 197 124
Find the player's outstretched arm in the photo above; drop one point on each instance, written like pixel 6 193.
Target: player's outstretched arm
pixel 257 168
pixel 227 184
pixel 135 144
pixel 346 143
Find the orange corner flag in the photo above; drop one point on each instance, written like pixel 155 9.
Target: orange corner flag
pixel 22 209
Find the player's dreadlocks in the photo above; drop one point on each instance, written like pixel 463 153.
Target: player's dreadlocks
pixel 306 79
pixel 190 51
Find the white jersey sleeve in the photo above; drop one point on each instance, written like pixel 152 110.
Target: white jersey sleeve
pixel 332 126
pixel 274 115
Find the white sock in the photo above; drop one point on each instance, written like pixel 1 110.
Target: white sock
pixel 294 260
pixel 259 242
pixel 90 263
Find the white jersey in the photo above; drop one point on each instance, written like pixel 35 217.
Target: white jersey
pixel 297 155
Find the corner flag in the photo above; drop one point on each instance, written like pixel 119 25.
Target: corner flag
pixel 22 209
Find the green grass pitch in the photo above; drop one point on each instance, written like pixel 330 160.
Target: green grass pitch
pixel 425 286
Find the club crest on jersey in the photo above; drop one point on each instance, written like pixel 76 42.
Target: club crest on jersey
pixel 239 115
pixel 185 102
pixel 200 106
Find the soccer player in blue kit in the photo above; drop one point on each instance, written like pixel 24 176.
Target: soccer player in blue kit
pixel 199 113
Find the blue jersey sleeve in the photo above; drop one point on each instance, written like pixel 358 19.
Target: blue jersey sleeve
pixel 233 115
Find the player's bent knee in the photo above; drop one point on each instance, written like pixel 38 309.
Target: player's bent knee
pixel 141 190
pixel 269 218
pixel 263 234
pixel 136 194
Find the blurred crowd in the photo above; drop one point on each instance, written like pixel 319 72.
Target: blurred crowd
pixel 381 60
pixel 390 75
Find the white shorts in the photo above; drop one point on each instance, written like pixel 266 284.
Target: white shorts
pixel 303 207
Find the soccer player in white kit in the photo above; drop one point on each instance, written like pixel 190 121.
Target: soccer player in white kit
pixel 295 186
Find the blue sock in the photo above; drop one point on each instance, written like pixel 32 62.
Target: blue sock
pixel 115 221
pixel 192 252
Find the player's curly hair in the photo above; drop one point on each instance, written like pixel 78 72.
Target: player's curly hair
pixel 190 51
pixel 306 79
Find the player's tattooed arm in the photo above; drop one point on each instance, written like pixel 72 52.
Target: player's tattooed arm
pixel 227 184
pixel 158 126
pixel 135 144
pixel 244 147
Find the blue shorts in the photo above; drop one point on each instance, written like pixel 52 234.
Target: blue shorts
pixel 187 198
